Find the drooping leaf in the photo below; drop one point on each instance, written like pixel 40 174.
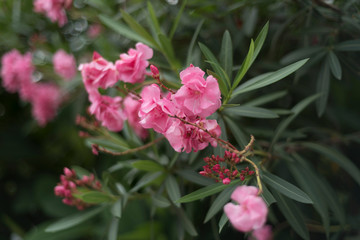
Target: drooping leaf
pixel 266 98
pixel 236 131
pixel 219 203
pixel 107 144
pixel 187 224
pixel 293 215
pixel 160 201
pixel 300 54
pixel 268 78
pixel 195 177
pixel 351 46
pixel 334 65
pixel 113 229
pixel 172 189
pixel 177 19
pixel 323 87
pixel 267 196
pixel 116 209
pixel 286 188
pixel 205 192
pixel 146 179
pixel 286 122
pixel 94 197
pixel 153 18
pixel 192 43
pixel 259 41
pixel 336 157
pixel 254 112
pixel 226 54
pixel 73 220
pixel 223 220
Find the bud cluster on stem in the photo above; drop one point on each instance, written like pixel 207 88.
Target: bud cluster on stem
pixel 68 186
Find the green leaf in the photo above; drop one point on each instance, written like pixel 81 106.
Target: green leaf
pixel 307 182
pixel 323 87
pixel 192 43
pixel 293 215
pixel 116 209
pixel 95 197
pixel 351 46
pixel 177 19
pixel 107 144
pixel 336 157
pixel 188 225
pixel 267 196
pixel 244 66
pixel 286 188
pixel 219 203
pixel 147 165
pixel 334 64
pixel 153 17
pixel 254 112
pixel 217 68
pixel 266 99
pixel 239 135
pixel 194 177
pixel 160 201
pixel 73 220
pixel 146 179
pixel 226 54
pixel 259 41
pixel 125 31
pixel 80 172
pixel 173 189
pixel 113 230
pixel 100 5
pixel 167 48
pixel 268 78
pixel 205 192
pixel 223 220
pixel 286 122
pixel 299 54
pixel 134 25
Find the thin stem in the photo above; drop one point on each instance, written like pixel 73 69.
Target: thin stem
pixel 256 173
pixel 102 149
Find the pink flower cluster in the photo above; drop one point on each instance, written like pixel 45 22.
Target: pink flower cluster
pixel 100 73
pixel 250 212
pixel 17 73
pixel 68 187
pixel 53 9
pixel 180 116
pixel 224 173
pixel 64 64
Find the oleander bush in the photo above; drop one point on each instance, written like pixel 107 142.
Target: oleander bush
pixel 179 119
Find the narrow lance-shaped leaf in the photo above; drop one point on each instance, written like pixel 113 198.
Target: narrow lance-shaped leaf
pixel 334 64
pixel 351 45
pixel 153 18
pixel 300 54
pixel 254 112
pixel 293 215
pixel 206 191
pixel 125 31
pixel 239 135
pixel 286 122
pixel 73 220
pixel 244 66
pixel 192 43
pixel 267 196
pixel 226 54
pixel 323 87
pixel 223 220
pixel 172 189
pixel 268 78
pixel 266 98
pixel 177 19
pixel 259 41
pixel 147 165
pixel 286 188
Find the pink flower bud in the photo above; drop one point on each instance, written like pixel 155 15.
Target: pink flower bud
pixel 203 173
pixel 251 173
pixel 216 168
pixel 72 185
pixel 68 172
pixel 94 149
pixel 242 178
pixel 226 181
pixel 235 173
pixel 59 191
pixel 154 71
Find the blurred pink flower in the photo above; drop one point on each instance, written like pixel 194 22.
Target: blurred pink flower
pixel 53 9
pixel 45 100
pixel 132 66
pixel 94 30
pixel 154 111
pixel 263 233
pixel 108 111
pixel 64 64
pixel 131 108
pixel 16 70
pixel 98 73
pixel 251 212
pixel 197 97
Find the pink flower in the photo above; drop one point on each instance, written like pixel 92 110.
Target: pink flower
pixel 184 137
pixel 251 212
pixel 108 111
pixel 16 70
pixel 45 102
pixel 154 112
pixel 263 233
pixel 132 66
pixel 64 64
pixel 197 97
pixel 94 30
pixel 98 73
pixel 53 9
pixel 131 108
